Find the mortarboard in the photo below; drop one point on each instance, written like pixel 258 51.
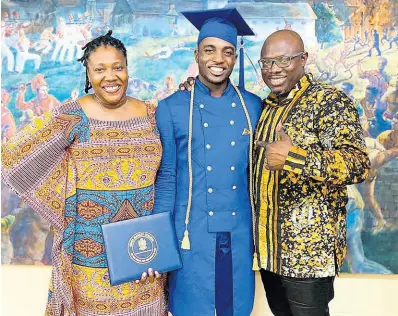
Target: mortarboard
pixel 225 24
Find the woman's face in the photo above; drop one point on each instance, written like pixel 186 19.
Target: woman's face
pixel 107 72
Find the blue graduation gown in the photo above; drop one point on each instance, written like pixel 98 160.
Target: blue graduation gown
pixel 220 197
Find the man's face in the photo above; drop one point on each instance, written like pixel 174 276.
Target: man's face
pixel 282 80
pixel 43 92
pixel 216 59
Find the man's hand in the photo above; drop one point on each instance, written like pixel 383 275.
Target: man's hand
pixel 187 85
pixel 276 153
pixel 150 275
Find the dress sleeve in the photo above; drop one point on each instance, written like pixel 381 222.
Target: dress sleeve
pixel 34 164
pixel 165 187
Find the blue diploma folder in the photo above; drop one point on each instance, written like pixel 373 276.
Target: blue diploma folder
pixel 132 246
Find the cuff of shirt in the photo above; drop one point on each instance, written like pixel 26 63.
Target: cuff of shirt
pixel 295 160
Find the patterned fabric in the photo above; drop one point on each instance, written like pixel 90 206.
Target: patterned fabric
pixel 300 224
pixel 79 173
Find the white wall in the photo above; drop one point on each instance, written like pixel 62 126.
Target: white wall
pixel 24 293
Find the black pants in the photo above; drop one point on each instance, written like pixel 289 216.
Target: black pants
pixel 297 297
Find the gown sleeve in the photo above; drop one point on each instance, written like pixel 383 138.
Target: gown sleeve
pixel 35 164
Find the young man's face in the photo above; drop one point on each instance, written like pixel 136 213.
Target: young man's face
pixel 216 59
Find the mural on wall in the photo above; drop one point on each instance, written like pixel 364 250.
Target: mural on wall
pixel 352 44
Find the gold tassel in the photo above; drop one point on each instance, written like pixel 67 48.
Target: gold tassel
pixel 255 263
pixel 186 244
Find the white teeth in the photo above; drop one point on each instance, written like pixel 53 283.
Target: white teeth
pixel 276 81
pixel 111 89
pixel 217 69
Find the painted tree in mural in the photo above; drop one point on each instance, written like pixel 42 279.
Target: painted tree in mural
pixel 327 25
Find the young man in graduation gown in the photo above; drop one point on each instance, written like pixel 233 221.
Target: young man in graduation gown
pixel 205 175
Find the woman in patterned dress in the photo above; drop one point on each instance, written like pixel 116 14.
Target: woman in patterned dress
pixel 90 162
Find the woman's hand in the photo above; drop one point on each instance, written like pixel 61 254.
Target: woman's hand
pixel 149 275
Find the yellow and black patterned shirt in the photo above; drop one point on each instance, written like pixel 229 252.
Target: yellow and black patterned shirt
pixel 300 226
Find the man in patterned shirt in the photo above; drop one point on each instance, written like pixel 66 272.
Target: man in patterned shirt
pixel 309 147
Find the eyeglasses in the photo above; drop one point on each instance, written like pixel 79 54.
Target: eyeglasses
pixel 280 61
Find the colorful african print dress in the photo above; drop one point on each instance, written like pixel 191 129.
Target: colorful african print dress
pixel 79 173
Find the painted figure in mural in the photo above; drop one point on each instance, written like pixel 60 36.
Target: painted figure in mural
pixel 173 19
pixel 375 43
pixel 381 151
pixel 210 195
pixel 138 87
pixel 391 101
pixel 348 88
pixel 335 64
pixel 355 258
pixel 378 156
pixel 369 103
pixel 85 31
pixel 366 35
pixel 60 34
pixel 66 41
pixel 6 246
pixel 377 78
pixel 28 237
pixel 44 45
pixel 389 139
pixel 340 62
pixel 8 125
pixel 394 37
pixel 309 147
pixel 76 196
pixel 6 52
pixel 192 71
pixel 42 102
pixel 22 45
pixel 168 89
pixel 287 26
pixel 357 41
pixel 374 109
pixel 384 36
pixel 166 51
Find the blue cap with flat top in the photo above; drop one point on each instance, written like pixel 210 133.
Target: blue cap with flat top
pixel 225 24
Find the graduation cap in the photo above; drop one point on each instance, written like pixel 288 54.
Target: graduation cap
pixel 226 24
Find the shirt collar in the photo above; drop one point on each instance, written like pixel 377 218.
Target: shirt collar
pixel 205 90
pixel 282 100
